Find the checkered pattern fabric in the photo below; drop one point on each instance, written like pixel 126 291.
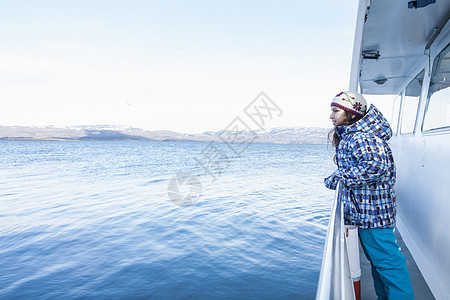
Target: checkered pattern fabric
pixel 367 170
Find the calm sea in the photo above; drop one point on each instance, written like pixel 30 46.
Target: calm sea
pixel 94 220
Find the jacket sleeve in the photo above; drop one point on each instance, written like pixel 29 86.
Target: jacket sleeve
pixel 332 180
pixel 369 161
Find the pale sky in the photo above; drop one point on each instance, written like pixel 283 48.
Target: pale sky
pixel 187 66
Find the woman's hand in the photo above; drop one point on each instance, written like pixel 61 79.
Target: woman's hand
pixel 332 180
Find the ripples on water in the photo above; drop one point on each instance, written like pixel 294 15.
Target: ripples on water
pixel 93 220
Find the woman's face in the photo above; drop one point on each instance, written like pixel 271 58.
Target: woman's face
pixel 337 116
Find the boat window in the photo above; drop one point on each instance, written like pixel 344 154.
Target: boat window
pixel 437 113
pixel 411 103
pixel 395 112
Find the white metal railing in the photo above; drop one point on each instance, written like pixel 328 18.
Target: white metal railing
pixel 335 281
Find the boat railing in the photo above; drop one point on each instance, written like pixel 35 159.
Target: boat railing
pixel 335 281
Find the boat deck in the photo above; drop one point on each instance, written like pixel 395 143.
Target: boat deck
pixel 420 287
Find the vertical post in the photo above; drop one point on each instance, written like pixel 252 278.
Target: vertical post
pixel 353 87
pixel 352 244
pixel 356 57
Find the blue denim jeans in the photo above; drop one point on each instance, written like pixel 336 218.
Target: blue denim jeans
pixel 390 275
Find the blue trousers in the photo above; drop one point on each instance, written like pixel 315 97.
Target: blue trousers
pixel 390 275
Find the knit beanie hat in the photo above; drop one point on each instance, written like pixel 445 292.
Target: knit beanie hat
pixel 351 102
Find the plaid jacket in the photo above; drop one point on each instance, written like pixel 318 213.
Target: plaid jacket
pixel 366 169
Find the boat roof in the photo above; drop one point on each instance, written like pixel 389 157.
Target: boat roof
pixel 394 39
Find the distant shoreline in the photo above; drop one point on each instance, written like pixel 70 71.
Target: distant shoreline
pixel 292 135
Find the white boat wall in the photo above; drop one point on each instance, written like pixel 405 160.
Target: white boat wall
pixel 402 49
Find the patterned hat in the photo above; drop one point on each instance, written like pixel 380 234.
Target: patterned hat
pixel 351 102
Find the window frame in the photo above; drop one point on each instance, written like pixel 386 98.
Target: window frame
pixel 397 116
pixel 445 129
pixel 403 103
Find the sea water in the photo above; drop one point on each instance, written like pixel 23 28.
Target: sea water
pixel 94 219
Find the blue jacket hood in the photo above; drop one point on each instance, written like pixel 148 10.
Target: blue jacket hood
pixel 373 122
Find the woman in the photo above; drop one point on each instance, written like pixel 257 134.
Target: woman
pixel 367 172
